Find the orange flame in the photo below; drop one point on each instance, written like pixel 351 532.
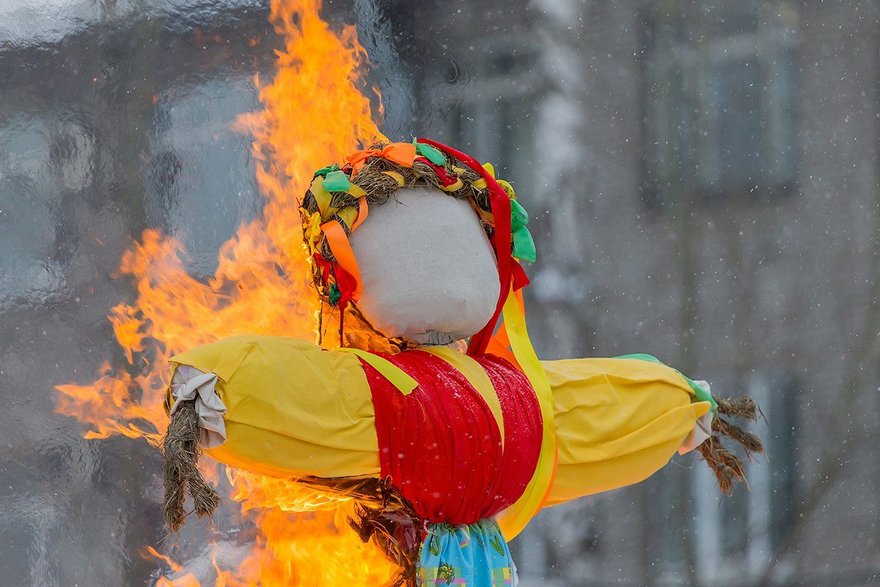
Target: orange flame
pixel 314 113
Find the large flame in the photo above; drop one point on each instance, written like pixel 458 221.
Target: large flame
pixel 314 113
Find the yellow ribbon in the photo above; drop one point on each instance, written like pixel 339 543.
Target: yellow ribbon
pixel 322 196
pixel 514 519
pixel 348 216
pixel 394 374
pixel 356 191
pixel 312 231
pixel 396 176
pixel 453 186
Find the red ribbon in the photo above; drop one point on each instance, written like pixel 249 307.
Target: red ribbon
pixel 446 178
pixel 345 281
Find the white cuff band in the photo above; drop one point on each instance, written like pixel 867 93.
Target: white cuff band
pixel 189 383
pixel 703 428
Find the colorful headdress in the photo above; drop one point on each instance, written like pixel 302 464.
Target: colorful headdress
pixel 339 199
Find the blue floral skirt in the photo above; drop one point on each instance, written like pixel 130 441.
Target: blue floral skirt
pixel 475 555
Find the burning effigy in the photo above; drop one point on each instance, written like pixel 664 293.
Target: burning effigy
pixel 448 452
pixel 436 450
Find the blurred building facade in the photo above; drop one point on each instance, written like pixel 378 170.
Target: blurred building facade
pixel 704 181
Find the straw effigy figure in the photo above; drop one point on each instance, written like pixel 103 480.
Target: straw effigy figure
pixel 449 450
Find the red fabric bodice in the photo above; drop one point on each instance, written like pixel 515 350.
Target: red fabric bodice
pixel 440 445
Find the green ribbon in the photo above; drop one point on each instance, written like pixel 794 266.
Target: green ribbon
pixel 431 153
pixel 336 181
pixel 523 243
pixel 325 170
pixel 334 294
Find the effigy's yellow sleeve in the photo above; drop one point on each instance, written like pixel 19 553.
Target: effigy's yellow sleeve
pixel 293 409
pixel 617 422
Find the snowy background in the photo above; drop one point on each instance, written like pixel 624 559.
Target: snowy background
pixel 703 181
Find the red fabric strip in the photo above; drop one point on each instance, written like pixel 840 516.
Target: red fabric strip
pixel 523 427
pixel 520 279
pixel 440 445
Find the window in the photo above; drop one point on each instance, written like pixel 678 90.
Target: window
pixel 719 101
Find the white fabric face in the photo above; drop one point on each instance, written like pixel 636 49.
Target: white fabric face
pixel 428 270
pixel 189 383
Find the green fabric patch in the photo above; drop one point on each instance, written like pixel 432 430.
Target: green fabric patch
pixel 334 294
pixel 431 153
pixel 336 181
pixel 518 214
pixel 325 170
pixel 523 243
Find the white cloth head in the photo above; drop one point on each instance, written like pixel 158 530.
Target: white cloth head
pixel 428 270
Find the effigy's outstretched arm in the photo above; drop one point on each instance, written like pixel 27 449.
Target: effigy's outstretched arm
pixel 271 405
pixel 620 420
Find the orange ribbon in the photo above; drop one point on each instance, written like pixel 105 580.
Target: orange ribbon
pixel 363 212
pixel 344 255
pixel 400 153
